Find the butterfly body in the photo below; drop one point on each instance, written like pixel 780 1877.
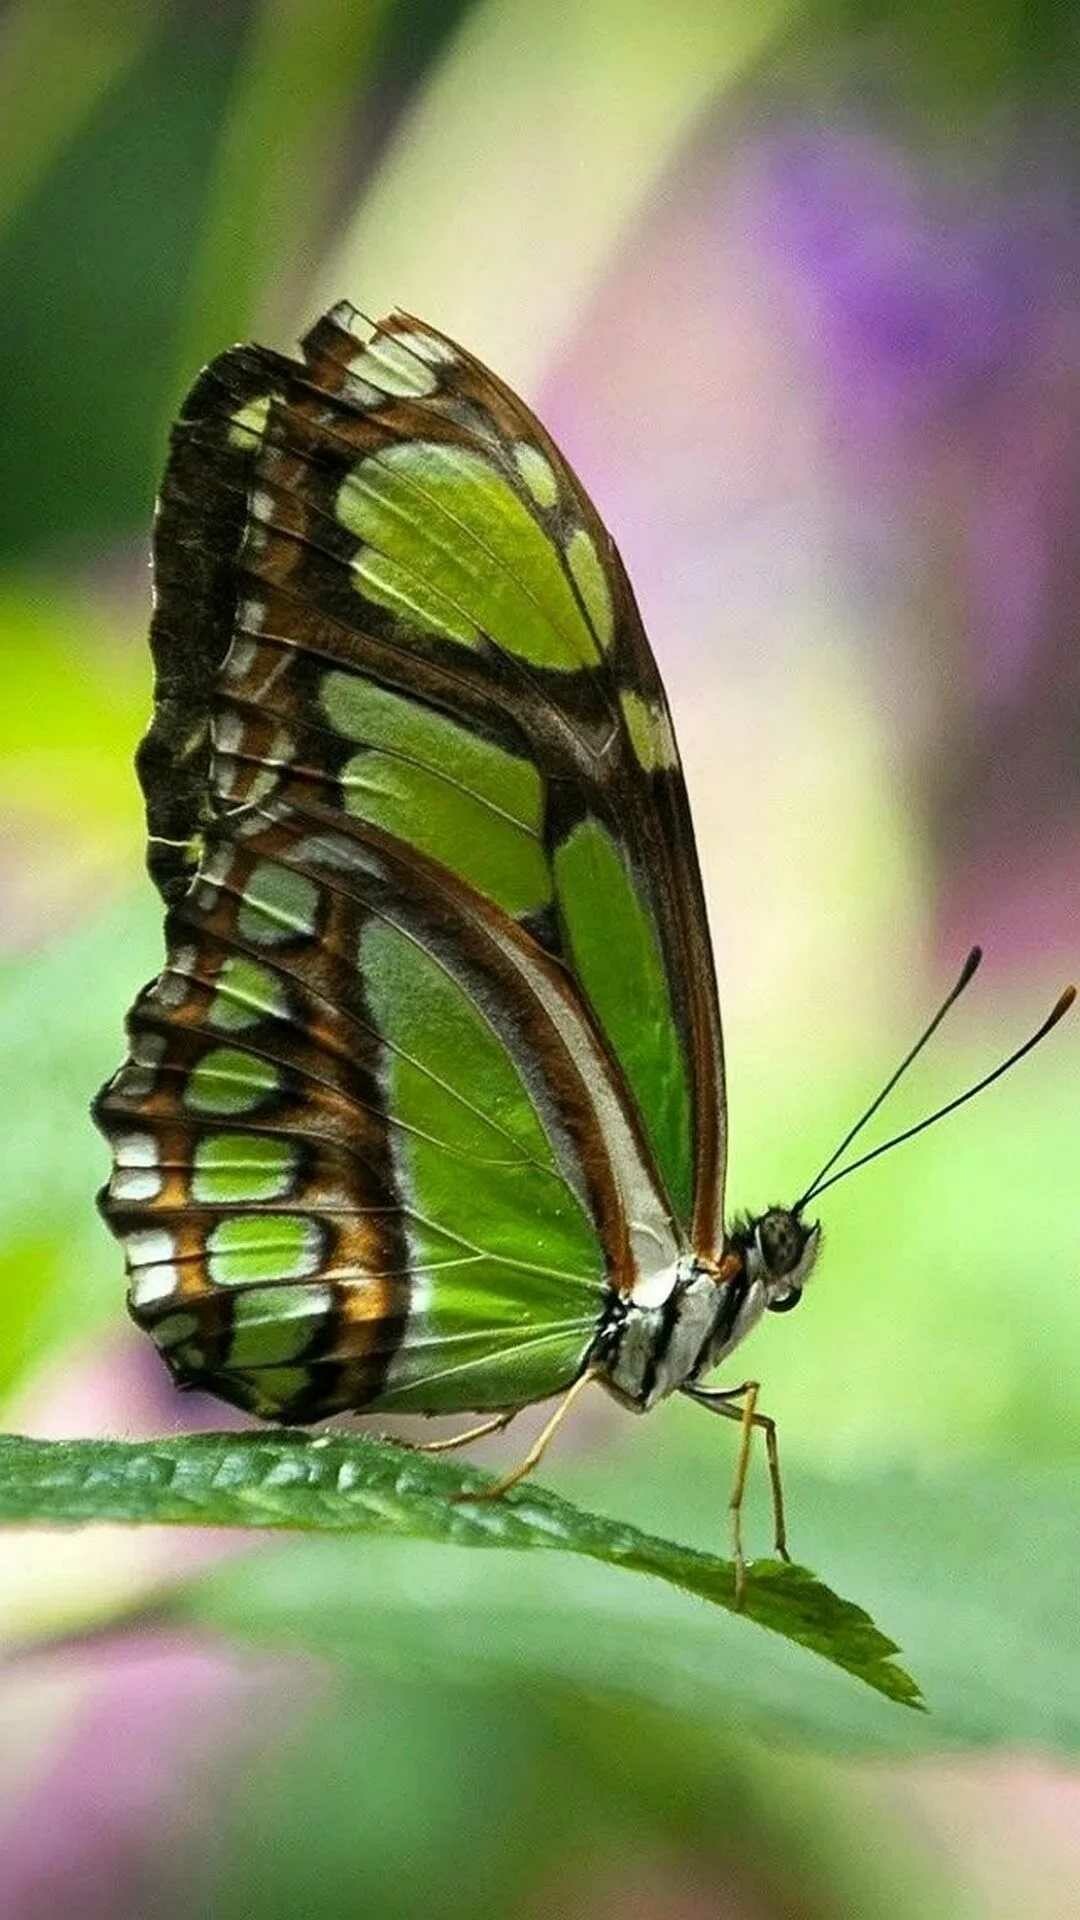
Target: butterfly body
pixel 426 1110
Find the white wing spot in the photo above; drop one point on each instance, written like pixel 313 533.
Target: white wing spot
pixel 138 1075
pixel 137 1174
pixel 150 1258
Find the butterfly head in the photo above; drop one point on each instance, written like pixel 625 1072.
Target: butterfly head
pixel 781 1256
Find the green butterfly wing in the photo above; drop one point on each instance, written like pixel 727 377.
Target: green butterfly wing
pixel 434 1065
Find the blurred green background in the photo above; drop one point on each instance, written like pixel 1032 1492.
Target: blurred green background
pixel 796 287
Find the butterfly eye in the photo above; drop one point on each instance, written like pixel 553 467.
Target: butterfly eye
pixel 786 1301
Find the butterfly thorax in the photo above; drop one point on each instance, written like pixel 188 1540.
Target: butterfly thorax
pixel 651 1351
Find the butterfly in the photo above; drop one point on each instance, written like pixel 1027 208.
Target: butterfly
pixel 426 1110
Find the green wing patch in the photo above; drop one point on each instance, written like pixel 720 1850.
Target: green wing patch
pixel 467 556
pixel 612 939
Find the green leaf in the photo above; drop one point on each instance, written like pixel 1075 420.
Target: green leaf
pixel 975 1569
pixel 359 1484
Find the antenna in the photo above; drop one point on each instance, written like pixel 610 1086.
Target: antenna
pixel 1057 1012
pixel 967 974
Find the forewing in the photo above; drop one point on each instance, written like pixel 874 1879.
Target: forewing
pixel 478 521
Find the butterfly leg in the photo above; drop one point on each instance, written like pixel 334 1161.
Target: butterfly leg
pixel 496 1425
pixel 726 1403
pixel 540 1444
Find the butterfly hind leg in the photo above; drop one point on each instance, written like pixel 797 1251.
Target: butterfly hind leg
pixel 448 1444
pixel 539 1446
pixel 726 1402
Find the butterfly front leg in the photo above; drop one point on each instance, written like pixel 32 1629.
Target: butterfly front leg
pixel 725 1401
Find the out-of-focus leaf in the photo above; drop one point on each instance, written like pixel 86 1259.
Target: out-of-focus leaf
pixel 609 1805
pixel 303 71
pixel 57 59
pixel 61 1034
pixel 28 1270
pixel 952 59
pixel 75 701
pixel 94 264
pixel 359 1484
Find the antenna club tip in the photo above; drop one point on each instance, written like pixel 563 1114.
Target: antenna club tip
pixel 1062 1005
pixel 971 965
